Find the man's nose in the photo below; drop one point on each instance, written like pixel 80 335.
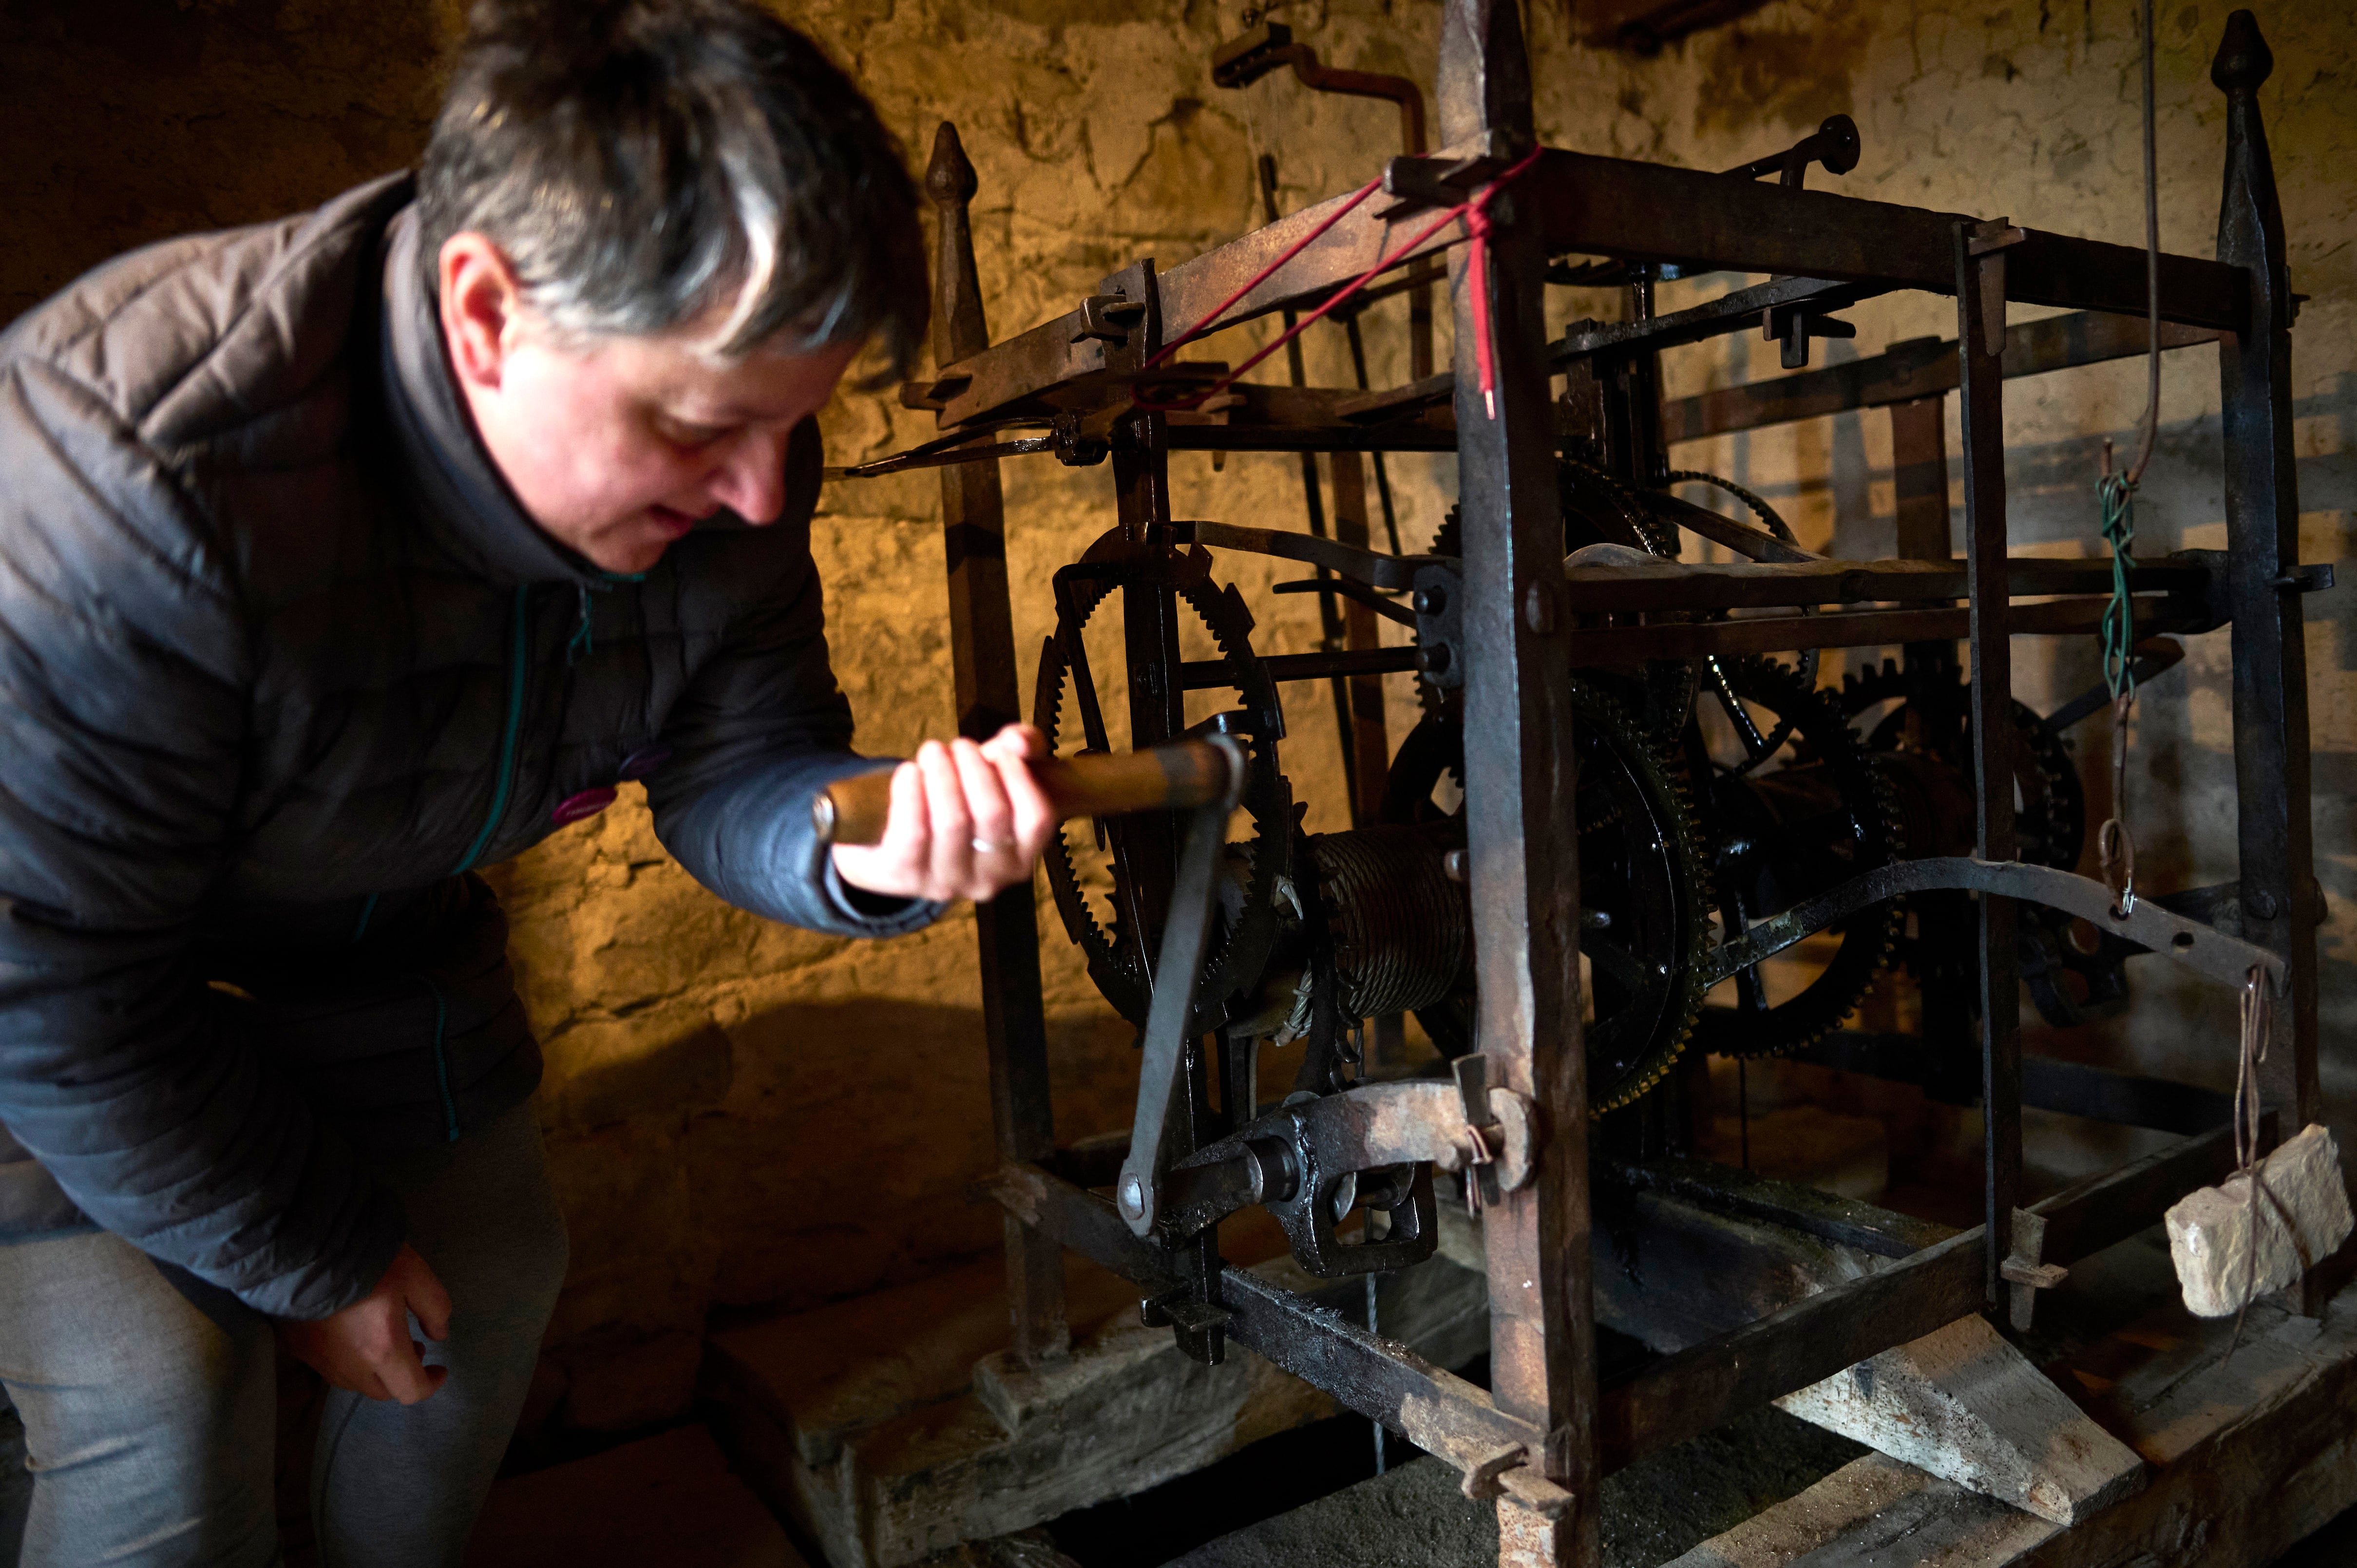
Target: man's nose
pixel 751 480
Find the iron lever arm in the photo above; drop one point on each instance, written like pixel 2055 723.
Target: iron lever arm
pixel 1369 566
pixel 1171 1021
pixel 1349 589
pixel 1163 778
pixel 2198 946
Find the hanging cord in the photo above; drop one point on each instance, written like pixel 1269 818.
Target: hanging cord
pixel 1475 213
pixel 2115 844
pixel 2247 1115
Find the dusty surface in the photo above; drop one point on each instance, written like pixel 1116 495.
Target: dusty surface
pixel 744 1114
pixel 1416 1517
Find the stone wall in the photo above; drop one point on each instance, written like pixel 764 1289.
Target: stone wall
pixel 741 1115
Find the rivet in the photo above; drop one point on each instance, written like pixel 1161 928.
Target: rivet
pixel 1538 608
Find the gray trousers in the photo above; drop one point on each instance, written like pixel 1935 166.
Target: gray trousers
pixel 149 1424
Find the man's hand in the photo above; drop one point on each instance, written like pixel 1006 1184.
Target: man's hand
pixel 366 1349
pixel 966 821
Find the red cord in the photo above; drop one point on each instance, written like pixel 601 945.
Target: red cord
pixel 1473 211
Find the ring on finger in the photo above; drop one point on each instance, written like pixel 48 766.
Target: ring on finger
pixel 991 846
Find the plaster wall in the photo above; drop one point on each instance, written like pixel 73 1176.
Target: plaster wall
pixel 743 1115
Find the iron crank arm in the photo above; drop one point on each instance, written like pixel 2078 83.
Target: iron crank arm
pixel 1171 1021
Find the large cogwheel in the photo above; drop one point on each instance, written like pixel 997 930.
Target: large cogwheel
pixel 1119 956
pixel 1792 808
pixel 1643 892
pixel 2049 807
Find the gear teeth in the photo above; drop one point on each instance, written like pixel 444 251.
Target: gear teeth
pixel 1801 1021
pixel 1241 950
pixel 1654 1061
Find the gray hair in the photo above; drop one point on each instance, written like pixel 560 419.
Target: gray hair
pixel 644 163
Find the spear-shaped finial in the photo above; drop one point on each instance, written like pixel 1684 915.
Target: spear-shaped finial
pixel 950 177
pixel 2243 59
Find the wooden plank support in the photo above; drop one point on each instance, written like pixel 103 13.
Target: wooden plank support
pixel 1522 838
pixel 1849 628
pixel 982 652
pixel 1960 1402
pixel 1983 254
pixel 1688 1394
pixel 1751 584
pixel 1377 1377
pixel 2275 833
pixel 1915 370
pixel 1599 206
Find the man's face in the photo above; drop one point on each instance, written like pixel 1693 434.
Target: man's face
pixel 618 445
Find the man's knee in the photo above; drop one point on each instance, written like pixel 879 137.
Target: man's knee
pixel 147 1424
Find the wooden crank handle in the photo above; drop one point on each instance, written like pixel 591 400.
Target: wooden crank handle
pixel 1163 778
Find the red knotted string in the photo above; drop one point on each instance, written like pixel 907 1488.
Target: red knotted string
pixel 1473 211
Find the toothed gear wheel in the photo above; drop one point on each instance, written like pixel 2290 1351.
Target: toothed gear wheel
pixel 2050 804
pixel 1597 507
pixel 1925 741
pixel 1247 925
pixel 1784 826
pixel 1643 891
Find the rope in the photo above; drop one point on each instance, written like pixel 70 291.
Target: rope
pixel 2247 1129
pixel 1473 211
pixel 2114 846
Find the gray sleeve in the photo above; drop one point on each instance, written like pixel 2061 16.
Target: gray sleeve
pixel 122 715
pixel 762 730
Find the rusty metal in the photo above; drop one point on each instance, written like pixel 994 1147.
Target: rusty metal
pixel 1271 47
pixel 2198 947
pixel 982 644
pixel 1506 625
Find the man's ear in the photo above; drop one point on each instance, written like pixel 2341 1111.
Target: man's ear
pixel 483 307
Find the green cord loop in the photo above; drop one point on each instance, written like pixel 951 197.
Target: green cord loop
pixel 2118 493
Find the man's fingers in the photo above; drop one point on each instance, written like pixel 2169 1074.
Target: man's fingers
pixel 986 798
pixel 1021 742
pixel 1034 817
pixel 908 829
pixel 403 1372
pixel 952 860
pixel 424 1294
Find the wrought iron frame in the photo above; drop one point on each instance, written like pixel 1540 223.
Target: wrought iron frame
pixel 1541 1437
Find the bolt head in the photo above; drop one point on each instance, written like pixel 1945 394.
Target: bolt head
pixel 1133 1197
pixel 1538 608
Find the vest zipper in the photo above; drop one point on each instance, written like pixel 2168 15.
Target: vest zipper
pixel 507 738
pixel 442 1060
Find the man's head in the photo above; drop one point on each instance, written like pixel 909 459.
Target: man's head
pixel 660 230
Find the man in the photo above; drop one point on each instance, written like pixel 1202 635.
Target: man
pixel 341 556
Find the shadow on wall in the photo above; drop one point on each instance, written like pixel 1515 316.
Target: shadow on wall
pixel 802 1155
pixel 131 121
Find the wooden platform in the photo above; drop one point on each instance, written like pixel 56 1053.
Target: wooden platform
pixel 2247 1456
pixel 889 1431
